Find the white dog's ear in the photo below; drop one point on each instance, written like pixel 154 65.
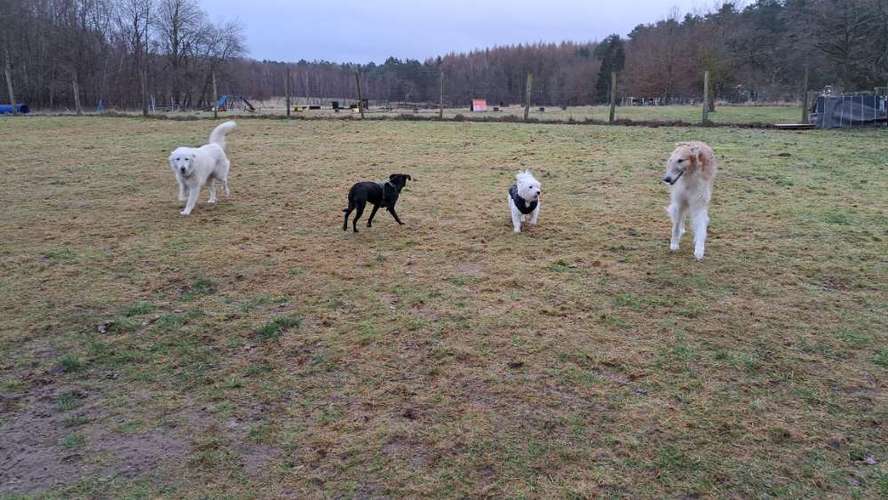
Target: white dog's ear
pixel 193 156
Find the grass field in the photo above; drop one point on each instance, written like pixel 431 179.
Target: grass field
pixel 687 114
pixel 256 349
pixel 728 114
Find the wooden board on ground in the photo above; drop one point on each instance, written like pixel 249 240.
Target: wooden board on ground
pixel 795 126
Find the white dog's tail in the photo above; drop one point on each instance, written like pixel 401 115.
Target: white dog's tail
pixel 217 136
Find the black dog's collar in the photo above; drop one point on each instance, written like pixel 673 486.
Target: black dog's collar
pixel 523 206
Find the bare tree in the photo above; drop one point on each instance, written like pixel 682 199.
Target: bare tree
pixel 179 23
pixel 134 21
pixel 8 74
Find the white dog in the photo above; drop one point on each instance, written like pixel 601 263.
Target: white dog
pixel 524 200
pixel 691 172
pixel 195 167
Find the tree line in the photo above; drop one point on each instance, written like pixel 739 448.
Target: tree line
pixel 132 53
pixel 762 51
pixel 116 53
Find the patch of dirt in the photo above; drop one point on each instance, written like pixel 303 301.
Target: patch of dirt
pixel 410 452
pixel 33 455
pixel 255 458
pixel 469 269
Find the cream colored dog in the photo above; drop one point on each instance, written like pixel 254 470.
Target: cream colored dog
pixel 691 172
pixel 196 167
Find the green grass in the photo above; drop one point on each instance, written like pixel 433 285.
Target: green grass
pixel 68 401
pixel 726 114
pixel 70 363
pixel 139 309
pixel 448 357
pixel 201 286
pixel 73 441
pixel 738 114
pixel 687 114
pixel 276 327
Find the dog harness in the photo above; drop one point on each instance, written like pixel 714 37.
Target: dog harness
pixel 523 207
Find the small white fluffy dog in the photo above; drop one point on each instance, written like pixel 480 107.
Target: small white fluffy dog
pixel 524 200
pixel 691 172
pixel 196 167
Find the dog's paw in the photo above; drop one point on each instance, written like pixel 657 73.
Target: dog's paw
pixel 698 256
pixel 673 247
pixel 184 212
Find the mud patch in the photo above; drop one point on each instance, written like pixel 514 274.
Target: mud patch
pixel 469 269
pixel 255 458
pixel 54 437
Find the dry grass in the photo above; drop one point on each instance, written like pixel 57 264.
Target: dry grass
pixel 256 349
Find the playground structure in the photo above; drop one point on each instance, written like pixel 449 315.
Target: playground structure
pixel 232 102
pixel 6 109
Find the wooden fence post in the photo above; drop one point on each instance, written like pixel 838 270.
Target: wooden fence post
pixel 287 90
pixel 215 98
pixel 360 96
pixel 613 97
pixel 441 100
pixel 527 95
pixel 143 85
pixel 8 70
pixel 705 98
pixel 805 103
pixel 76 89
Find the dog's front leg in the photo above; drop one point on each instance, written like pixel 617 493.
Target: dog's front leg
pixel 394 214
pixel 193 192
pixel 535 216
pixel 183 193
pixel 516 216
pixel 701 222
pixel 677 215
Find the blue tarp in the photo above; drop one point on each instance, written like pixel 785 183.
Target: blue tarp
pixel 6 109
pixel 226 102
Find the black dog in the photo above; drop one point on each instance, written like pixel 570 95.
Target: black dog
pixel 379 194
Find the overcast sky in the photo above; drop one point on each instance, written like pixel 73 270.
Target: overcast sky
pixel 371 30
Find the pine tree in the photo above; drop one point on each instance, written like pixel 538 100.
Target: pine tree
pixel 613 58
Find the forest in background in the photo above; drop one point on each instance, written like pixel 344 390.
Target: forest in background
pixel 126 53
